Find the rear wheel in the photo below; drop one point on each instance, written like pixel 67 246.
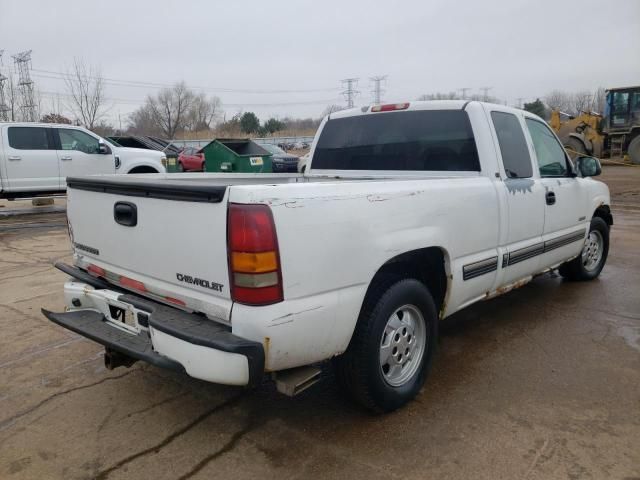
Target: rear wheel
pixel 634 150
pixel 392 347
pixel 591 260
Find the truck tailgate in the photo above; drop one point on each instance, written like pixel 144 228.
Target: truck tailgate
pixel 167 239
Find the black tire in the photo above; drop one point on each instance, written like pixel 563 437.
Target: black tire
pixel 576 269
pixel 359 370
pixel 574 147
pixel 634 150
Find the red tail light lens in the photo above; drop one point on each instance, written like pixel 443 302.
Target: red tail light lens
pixel 254 260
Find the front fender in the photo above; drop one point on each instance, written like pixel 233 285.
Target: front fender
pixel 599 195
pixel 129 165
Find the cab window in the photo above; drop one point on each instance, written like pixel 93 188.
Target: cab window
pixel 513 146
pixel 78 140
pixel 28 138
pixel 551 157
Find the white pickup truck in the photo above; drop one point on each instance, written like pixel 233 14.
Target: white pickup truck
pixel 36 158
pixel 406 214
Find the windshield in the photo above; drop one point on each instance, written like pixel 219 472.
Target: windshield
pixel 273 149
pixel 433 140
pixel 110 142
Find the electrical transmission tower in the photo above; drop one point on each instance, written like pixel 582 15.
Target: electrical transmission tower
pixel 350 90
pixel 464 92
pixel 22 61
pixel 485 93
pixel 4 108
pixel 377 88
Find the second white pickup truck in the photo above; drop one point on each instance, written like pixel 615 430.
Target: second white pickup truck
pixel 36 158
pixel 406 214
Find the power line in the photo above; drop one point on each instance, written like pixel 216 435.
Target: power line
pixel 141 84
pixel 141 102
pixel 377 90
pixel 485 94
pixel 350 91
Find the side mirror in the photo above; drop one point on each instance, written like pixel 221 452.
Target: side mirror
pixel 588 166
pixel 103 148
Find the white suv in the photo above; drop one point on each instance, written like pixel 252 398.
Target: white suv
pixel 36 158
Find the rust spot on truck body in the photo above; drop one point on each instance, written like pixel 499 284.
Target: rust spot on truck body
pixel 508 288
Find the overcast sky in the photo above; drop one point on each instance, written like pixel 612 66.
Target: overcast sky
pixel 250 52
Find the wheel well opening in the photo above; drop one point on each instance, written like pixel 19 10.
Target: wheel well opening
pixel 604 212
pixel 143 169
pixel 426 265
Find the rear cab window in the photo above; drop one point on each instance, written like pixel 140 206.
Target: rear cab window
pixel 418 140
pixel 513 145
pixel 29 138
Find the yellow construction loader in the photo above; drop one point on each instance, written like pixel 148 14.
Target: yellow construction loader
pixel 614 134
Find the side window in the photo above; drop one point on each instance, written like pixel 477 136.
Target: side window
pixel 620 108
pixel 513 146
pixel 28 138
pixel 552 160
pixel 77 140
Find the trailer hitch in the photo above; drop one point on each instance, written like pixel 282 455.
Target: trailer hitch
pixel 114 359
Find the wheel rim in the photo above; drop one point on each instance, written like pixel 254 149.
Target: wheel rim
pixel 402 345
pixel 592 251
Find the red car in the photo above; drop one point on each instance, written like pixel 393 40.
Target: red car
pixel 190 159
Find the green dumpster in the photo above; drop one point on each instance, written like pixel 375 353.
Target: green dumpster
pixel 172 163
pixel 238 155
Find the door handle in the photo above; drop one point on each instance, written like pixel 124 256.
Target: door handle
pixel 66 157
pixel 551 198
pixel 15 157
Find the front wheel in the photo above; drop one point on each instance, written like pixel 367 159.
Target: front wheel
pixel 634 150
pixel 591 260
pixel 392 346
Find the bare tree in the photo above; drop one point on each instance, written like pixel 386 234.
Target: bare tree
pixel 581 102
pixel 86 90
pixel 558 100
pixel 170 107
pixel 141 122
pixel 440 96
pixel 331 109
pixel 599 99
pixel 203 112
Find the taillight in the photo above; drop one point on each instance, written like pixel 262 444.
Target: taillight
pixel 390 107
pixel 254 260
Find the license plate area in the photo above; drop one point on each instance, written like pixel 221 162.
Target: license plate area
pixel 124 317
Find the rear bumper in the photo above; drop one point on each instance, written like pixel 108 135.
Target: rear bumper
pixel 163 336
